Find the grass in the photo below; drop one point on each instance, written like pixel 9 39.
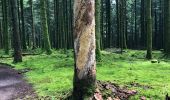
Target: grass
pixel 52 75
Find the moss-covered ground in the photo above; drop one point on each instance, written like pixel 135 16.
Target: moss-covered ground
pixel 51 75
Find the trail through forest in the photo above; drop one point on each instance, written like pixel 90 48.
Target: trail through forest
pixel 12 84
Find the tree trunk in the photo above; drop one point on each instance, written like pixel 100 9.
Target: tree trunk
pixel 32 25
pixel 45 27
pixel 108 21
pixel 136 31
pixel 167 25
pixel 97 8
pixel 1 35
pixel 24 46
pixel 122 24
pixel 16 37
pixel 143 25
pixel 149 29
pixel 5 25
pixel 118 23
pixel 84 48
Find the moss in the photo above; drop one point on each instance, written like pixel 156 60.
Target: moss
pixel 58 67
pixel 84 88
pixel 106 94
pixel 98 55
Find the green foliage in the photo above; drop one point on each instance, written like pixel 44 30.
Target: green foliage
pixel 52 75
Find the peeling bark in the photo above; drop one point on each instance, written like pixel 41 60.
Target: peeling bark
pixel 84 47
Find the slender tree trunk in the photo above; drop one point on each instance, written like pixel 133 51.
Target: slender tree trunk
pixel 161 25
pixel 16 36
pixel 49 21
pixel 149 29
pixel 98 54
pixel 19 18
pixel 156 34
pixel 122 24
pixel 32 26
pixel 136 33
pixel 5 25
pixel 84 48
pixel 167 25
pixel 108 19
pixel 143 25
pixel 56 13
pixel 24 46
pixel 118 22
pixel 45 27
pixel 1 35
pixel 102 26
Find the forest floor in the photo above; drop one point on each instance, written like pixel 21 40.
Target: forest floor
pixel 52 75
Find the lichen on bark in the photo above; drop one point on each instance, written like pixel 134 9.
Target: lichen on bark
pixel 84 48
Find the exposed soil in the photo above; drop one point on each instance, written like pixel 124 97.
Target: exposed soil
pixel 111 91
pixel 107 91
pixel 13 85
pixel 146 87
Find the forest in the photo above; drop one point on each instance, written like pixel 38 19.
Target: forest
pixel 84 49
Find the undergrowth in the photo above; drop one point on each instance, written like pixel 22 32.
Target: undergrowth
pixel 52 75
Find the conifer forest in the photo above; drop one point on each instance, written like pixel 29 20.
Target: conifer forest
pixel 84 49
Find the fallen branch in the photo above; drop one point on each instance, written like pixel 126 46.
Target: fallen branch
pixel 29 54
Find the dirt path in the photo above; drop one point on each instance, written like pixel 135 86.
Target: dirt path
pixel 12 84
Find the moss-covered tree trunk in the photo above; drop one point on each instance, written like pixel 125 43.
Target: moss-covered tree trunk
pixel 16 36
pixel 149 29
pixel 167 25
pixel 122 15
pixel 84 48
pixel 46 40
pixel 98 34
pixel 32 25
pixel 24 46
pixel 5 25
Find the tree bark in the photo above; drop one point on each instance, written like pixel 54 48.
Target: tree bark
pixel 46 40
pixel 84 48
pixel 143 25
pixel 5 25
pixel 98 33
pixel 16 36
pixel 149 29
pixel 167 25
pixel 24 46
pixel 32 25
